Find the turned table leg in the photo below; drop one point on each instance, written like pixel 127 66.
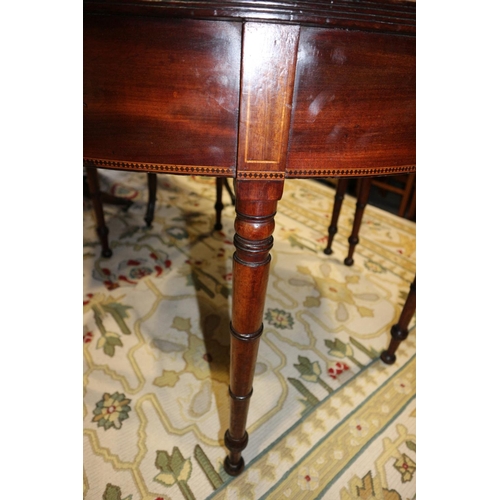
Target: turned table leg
pixel 362 200
pixel 150 212
pixel 95 196
pixel 337 205
pixel 253 240
pixel 399 331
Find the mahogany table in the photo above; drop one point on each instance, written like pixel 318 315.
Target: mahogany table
pixel 259 91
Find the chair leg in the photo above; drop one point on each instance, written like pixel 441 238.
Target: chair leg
pixel 412 210
pixel 230 191
pixel 405 200
pixel 219 185
pixel 150 212
pixel 399 331
pixel 95 196
pixel 363 195
pixel 337 205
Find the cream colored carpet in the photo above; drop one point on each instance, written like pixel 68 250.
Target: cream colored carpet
pixel 328 419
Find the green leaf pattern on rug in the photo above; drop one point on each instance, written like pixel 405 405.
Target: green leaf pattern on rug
pixel 341 350
pixel 113 492
pixel 168 378
pixel 174 470
pixel 310 400
pixel 102 305
pixel 411 445
pixel 311 371
pixel 111 410
pixel 279 318
pixel 207 467
pixel 371 353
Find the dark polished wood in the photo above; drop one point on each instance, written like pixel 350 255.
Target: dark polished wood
pixel 160 92
pixel 150 213
pixel 354 104
pixel 363 189
pixel 258 91
pixel 340 191
pixel 399 331
pixel 220 184
pixel 96 198
pixel 253 241
pixel 362 200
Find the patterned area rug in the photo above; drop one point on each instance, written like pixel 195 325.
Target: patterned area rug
pixel 327 419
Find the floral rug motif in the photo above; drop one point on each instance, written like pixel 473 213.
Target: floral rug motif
pixel 327 419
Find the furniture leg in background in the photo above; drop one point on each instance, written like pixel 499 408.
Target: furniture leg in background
pixel 337 205
pixel 363 195
pixel 221 183
pixel 107 197
pixel 399 331
pixel 96 197
pixel 362 200
pixel 150 212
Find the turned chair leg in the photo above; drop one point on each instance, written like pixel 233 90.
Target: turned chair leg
pixel 220 184
pixel 95 196
pixel 337 205
pixel 363 195
pixel 150 212
pixel 399 331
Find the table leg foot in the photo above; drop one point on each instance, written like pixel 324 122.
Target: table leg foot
pixel 234 463
pixel 388 358
pixel 348 261
pixel 399 331
pixel 235 470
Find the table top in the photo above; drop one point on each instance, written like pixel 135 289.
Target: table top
pixel 256 90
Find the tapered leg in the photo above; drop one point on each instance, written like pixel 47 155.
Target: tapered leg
pixel 363 194
pixel 399 331
pixel 95 196
pixel 150 212
pixel 337 205
pixel 253 240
